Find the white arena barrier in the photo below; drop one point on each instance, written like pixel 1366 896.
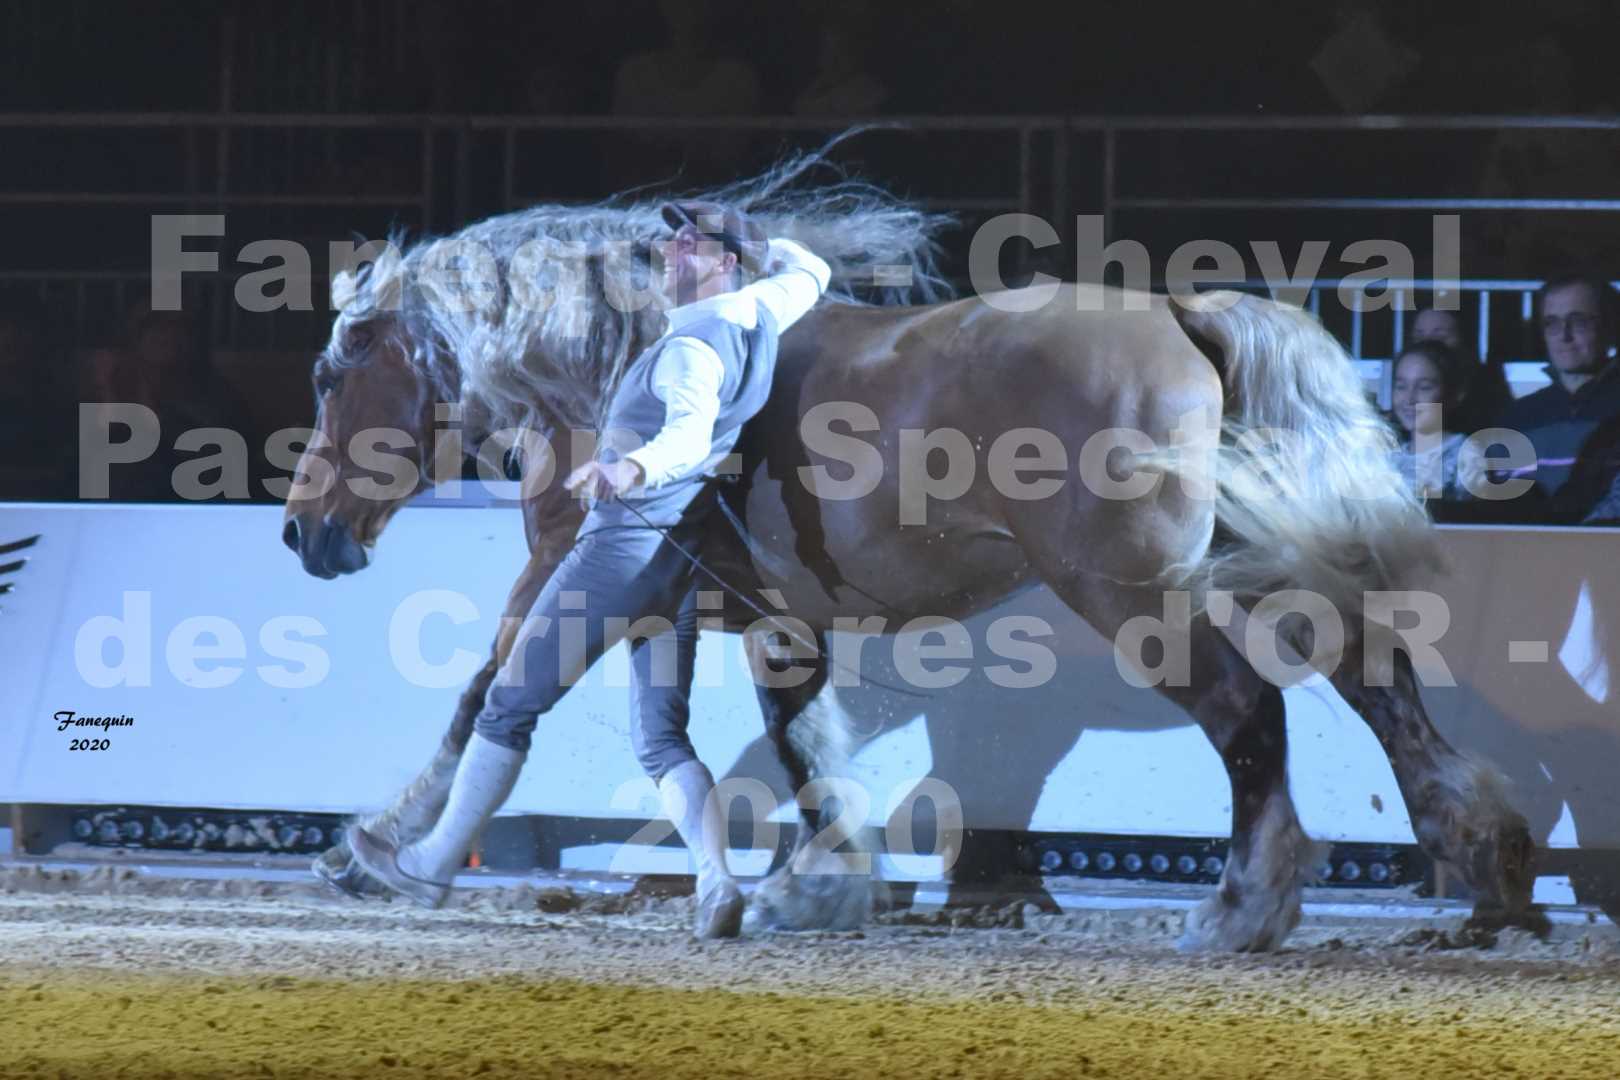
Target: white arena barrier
pixel 252 685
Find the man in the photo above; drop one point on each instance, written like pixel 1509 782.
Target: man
pixel 1577 323
pixel 682 402
pixel 1601 460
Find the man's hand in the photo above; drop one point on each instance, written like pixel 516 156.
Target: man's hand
pixel 597 481
pixel 774 263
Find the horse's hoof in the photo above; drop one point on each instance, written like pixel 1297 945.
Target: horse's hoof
pixel 335 868
pixel 789 901
pixel 1491 918
pixel 760 917
pixel 1218 926
pixel 380 859
pixel 720 913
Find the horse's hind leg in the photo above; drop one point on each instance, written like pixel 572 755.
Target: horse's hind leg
pixel 806 892
pixel 1458 806
pixel 1257 903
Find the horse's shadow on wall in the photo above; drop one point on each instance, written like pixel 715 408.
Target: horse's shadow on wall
pixel 1551 725
pixel 1552 728
pixel 994 746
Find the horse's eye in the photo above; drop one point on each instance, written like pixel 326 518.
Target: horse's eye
pixel 358 339
pixel 325 383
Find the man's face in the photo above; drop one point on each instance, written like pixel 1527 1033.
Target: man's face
pixel 695 266
pixel 1572 324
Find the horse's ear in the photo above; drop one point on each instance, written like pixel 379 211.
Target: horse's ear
pixel 385 275
pixel 345 286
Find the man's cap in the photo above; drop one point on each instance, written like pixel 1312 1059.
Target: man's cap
pixel 739 234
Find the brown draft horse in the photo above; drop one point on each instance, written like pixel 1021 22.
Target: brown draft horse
pixel 1329 515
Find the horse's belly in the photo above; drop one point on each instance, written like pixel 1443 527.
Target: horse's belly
pixel 831 559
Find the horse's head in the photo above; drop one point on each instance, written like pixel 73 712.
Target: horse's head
pixel 531 319
pixel 374 444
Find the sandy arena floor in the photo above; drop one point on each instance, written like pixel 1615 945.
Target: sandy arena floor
pixel 114 975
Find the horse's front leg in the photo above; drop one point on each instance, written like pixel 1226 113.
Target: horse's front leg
pixel 813 889
pixel 418 806
pixel 415 810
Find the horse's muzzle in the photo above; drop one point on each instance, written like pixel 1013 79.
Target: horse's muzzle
pixel 327 551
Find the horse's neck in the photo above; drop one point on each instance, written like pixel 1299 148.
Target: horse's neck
pixel 644 333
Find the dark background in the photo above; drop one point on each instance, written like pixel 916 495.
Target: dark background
pixel 317 120
pixel 956 56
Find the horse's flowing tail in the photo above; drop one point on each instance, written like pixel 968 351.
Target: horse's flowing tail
pixel 1307 495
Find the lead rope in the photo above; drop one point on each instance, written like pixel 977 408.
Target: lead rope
pixel 761 612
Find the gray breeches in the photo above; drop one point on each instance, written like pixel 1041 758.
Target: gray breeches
pixel 615 583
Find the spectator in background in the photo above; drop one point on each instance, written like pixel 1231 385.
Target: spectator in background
pixel 688 77
pixel 1488 390
pixel 1446 327
pixel 1607 510
pixel 165 368
pixel 842 85
pixel 36 426
pixel 1595 483
pixel 1431 398
pixel 1577 321
pixel 171 373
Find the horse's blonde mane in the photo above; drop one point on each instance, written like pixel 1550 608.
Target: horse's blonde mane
pixel 530 318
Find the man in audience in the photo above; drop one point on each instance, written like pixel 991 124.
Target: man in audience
pixel 1594 483
pixel 1578 324
pixel 1607 511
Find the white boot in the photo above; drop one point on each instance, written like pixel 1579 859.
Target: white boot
pixel 424 870
pixel 685 793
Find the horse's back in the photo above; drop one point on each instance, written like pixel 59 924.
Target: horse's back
pixel 967 372
pixel 1087 358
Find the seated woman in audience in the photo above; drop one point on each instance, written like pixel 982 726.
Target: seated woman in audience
pixel 1432 383
pixel 1446 327
pixel 1488 390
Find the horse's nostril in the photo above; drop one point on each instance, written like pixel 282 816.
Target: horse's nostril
pixel 289 535
pixel 344 552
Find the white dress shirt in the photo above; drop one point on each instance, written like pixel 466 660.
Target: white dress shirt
pixel 688 373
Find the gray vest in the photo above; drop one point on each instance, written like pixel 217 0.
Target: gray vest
pixel 636 414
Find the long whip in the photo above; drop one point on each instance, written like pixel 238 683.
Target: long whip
pixel 768 616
